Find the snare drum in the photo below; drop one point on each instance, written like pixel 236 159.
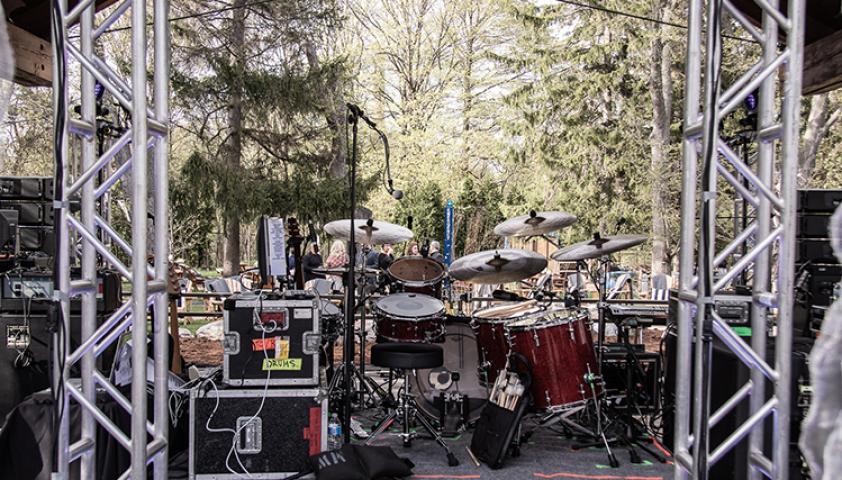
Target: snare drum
pixel 409 317
pixel 418 274
pixel 560 348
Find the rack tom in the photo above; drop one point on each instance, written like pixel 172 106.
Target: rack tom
pixel 418 274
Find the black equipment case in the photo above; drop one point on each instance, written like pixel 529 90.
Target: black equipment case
pixel 276 443
pixel 283 327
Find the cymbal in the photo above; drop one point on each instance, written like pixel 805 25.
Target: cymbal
pixel 497 266
pixel 534 224
pixel 597 247
pixel 368 271
pixel 372 232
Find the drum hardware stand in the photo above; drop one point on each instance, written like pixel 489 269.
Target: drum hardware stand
pixel 628 436
pixel 366 385
pixel 405 412
pixel 632 432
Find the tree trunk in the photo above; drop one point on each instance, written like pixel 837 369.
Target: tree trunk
pixel 818 124
pixel 334 114
pixel 234 146
pixel 660 89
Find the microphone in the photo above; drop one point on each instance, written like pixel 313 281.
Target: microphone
pixel 508 296
pixel 356 111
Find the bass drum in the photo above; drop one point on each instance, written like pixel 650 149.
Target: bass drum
pixel 459 374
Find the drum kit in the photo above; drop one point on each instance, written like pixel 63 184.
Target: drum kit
pixel 553 333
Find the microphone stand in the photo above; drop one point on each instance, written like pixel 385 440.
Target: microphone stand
pixel 348 350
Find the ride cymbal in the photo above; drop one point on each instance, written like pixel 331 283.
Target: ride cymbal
pixel 534 224
pixel 497 266
pixel 597 247
pixel 371 232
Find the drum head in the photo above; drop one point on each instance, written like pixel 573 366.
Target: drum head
pixel 459 374
pixel 329 309
pixel 409 305
pixel 416 271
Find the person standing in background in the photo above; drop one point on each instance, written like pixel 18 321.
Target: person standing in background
pixel 435 251
pixel 337 258
pixel 412 249
pixel 310 261
pixel 386 257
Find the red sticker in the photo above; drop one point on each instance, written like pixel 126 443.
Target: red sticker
pixel 261 344
pixel 314 431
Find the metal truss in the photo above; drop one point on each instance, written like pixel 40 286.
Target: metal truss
pixel 80 233
pixel 771 193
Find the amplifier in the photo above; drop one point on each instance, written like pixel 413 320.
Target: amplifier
pixel 814 250
pixel 20 286
pixel 733 308
pixel 26 188
pixel 37 239
pixel 271 338
pixel 645 381
pixel 275 435
pixel 31 213
pixel 25 355
pixel 813 226
pixel 819 201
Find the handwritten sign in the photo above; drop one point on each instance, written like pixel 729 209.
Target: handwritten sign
pixel 281 364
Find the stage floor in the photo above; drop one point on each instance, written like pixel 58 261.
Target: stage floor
pixel 547 455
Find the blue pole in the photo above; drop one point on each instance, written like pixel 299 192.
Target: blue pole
pixel 448 233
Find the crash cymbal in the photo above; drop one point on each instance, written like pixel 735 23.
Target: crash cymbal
pixel 372 232
pixel 534 224
pixel 497 266
pixel 597 247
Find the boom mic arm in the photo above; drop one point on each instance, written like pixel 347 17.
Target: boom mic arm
pixel 389 182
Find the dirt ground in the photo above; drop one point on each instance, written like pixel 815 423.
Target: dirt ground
pixel 201 352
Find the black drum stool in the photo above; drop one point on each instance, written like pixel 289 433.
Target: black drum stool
pixel 404 357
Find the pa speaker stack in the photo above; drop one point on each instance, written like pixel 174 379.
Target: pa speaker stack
pixel 30 201
pixel 818 270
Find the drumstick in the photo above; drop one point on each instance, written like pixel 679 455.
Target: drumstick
pixel 519 391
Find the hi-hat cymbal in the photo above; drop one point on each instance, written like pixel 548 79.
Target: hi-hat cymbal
pixel 534 224
pixel 597 247
pixel 497 266
pixel 372 232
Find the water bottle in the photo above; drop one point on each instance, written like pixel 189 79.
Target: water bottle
pixel 334 433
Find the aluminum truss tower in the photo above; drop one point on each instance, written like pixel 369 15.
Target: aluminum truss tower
pixel 77 180
pixel 770 188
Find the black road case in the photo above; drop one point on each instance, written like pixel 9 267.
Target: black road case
pixel 274 336
pixel 276 443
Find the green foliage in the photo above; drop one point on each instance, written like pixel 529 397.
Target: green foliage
pixel 476 212
pixel 425 204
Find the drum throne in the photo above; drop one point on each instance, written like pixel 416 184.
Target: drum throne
pixel 403 358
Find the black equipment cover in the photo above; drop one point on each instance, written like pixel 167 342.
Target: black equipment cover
pixel 497 426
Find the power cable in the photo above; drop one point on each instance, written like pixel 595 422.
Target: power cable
pixel 600 8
